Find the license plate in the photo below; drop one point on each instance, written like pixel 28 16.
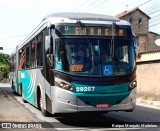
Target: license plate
pixel 105 105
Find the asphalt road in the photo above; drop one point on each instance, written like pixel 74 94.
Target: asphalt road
pixel 25 112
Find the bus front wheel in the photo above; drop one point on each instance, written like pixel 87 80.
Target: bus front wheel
pixel 41 105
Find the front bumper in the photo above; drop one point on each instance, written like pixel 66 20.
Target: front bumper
pixel 70 103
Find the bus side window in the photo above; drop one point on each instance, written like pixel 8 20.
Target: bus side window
pixel 27 57
pixel 12 63
pixel 32 58
pixel 21 59
pixel 40 50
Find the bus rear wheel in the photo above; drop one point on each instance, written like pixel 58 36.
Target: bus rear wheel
pixel 22 93
pixel 13 88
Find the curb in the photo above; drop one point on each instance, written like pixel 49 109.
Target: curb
pixel 4 81
pixel 148 105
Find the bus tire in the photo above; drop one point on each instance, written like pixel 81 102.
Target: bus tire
pixel 12 85
pixel 24 101
pixel 13 88
pixel 41 105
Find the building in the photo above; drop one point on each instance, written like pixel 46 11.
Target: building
pixel 140 24
pixel 148 74
pixel 148 57
pixel 151 46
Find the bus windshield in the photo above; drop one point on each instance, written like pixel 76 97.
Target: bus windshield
pixel 95 56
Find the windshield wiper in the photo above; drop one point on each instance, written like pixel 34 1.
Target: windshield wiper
pixel 88 41
pixel 112 42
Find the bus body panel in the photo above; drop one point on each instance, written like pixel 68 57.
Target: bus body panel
pixel 28 81
pixel 13 81
pixel 64 101
pixel 125 104
pixel 31 80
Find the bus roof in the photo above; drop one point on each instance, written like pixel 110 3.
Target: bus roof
pixel 73 18
pixel 83 16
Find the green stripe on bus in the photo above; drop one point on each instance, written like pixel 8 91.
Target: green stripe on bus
pixel 28 89
pixel 102 94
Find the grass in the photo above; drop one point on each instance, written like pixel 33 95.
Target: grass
pixel 156 98
pixel 145 97
pixel 143 101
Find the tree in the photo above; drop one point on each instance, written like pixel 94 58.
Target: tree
pixel 4 58
pixel 4 65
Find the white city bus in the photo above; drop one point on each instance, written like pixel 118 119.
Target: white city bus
pixel 77 62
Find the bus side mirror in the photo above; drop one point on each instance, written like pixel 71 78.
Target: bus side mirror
pixel 50 57
pixel 47 44
pixel 49 50
pixel 136 48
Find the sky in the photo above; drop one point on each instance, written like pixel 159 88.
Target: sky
pixel 19 17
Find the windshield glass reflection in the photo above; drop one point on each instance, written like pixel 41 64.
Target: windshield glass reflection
pixel 98 57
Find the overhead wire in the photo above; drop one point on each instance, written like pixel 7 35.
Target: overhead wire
pixel 84 5
pixel 154 10
pixel 96 5
pixel 145 3
pixel 80 5
pixel 150 12
pixel 89 5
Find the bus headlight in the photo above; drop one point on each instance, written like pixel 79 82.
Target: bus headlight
pixel 133 84
pixel 64 85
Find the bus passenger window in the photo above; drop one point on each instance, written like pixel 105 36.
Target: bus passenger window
pixel 27 57
pixel 32 58
pixel 40 50
pixel 21 59
pixel 12 63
